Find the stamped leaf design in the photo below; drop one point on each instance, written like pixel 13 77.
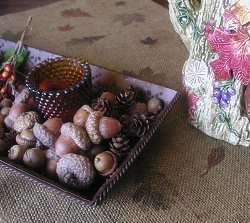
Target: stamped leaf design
pixel 88 40
pixel 216 156
pixel 66 28
pixel 75 13
pixel 232 45
pixel 128 18
pixel 149 41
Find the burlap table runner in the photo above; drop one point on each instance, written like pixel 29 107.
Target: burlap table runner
pixel 169 181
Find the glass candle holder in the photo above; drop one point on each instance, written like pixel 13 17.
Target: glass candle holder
pixel 60 87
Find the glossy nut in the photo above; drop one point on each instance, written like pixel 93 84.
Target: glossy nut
pixel 105 163
pixel 109 127
pixel 54 125
pixel 65 144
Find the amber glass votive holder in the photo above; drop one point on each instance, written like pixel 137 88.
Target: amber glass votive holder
pixel 60 86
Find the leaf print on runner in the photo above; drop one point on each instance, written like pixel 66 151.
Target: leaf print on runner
pixel 128 18
pixel 149 41
pixel 85 40
pixel 120 3
pixel 216 156
pixel 75 13
pixel 66 28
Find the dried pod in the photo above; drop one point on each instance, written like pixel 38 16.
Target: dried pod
pixel 5 111
pixel 140 108
pixel 92 127
pixel 16 110
pixel 8 122
pixel 44 135
pixel 16 153
pixel 109 127
pixel 81 115
pixel 75 171
pixel 26 139
pixel 105 163
pixel 54 126
pixel 108 96
pixel 26 121
pixel 6 103
pixel 78 134
pixel 35 159
pixel 154 105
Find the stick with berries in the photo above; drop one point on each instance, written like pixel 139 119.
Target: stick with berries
pixel 12 58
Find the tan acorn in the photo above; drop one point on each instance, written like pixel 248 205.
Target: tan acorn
pixel 26 139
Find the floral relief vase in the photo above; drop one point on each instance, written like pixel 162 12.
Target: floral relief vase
pixel 216 76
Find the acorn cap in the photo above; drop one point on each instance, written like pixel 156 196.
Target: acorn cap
pixel 92 127
pixel 44 135
pixel 77 133
pixel 23 96
pixel 81 115
pixel 26 121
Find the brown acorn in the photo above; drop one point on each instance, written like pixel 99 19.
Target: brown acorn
pixel 109 127
pixel 105 163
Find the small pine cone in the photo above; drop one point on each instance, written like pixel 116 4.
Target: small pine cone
pixel 125 100
pixel 134 126
pixel 103 106
pixel 119 145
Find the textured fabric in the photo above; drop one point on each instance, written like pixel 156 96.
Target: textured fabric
pixel 169 181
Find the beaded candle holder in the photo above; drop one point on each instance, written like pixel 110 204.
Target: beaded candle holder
pixel 60 86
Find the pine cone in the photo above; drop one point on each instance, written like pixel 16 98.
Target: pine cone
pixel 140 94
pixel 134 126
pixel 125 100
pixel 119 145
pixel 103 105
